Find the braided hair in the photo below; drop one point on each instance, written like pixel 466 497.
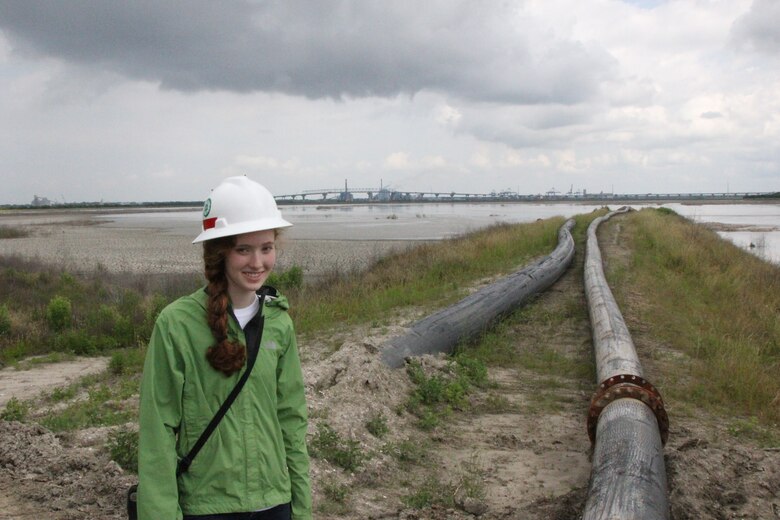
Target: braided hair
pixel 226 356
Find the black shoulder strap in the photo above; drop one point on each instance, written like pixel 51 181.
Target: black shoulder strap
pixel 184 463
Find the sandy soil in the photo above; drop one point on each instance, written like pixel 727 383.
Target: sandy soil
pixel 27 383
pixel 530 456
pixel 79 241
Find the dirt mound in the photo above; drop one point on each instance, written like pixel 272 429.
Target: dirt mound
pixel 41 478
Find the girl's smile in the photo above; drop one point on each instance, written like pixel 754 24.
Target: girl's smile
pixel 248 265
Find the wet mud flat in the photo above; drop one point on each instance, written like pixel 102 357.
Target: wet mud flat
pixel 84 241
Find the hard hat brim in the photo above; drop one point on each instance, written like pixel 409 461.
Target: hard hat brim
pixel 241 228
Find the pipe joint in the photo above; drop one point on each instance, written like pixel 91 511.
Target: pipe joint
pixel 627 386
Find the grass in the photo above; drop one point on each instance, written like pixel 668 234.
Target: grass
pixel 717 305
pixel 430 276
pixel 436 395
pixel 523 341
pixel 104 404
pixel 13 232
pixel 329 445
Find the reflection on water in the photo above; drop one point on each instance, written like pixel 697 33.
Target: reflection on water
pixel 743 224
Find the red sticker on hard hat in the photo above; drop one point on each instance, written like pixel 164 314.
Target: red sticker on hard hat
pixel 209 223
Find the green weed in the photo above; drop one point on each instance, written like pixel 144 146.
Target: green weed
pixel 377 426
pixel 59 313
pixel 123 447
pixel 327 444
pixel 15 410
pixel 335 497
pixel 431 491
pixel 409 451
pixel 5 320
pixel 292 278
pixel 435 396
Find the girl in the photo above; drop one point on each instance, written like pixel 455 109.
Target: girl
pixel 255 464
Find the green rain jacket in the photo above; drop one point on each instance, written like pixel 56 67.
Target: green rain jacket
pixel 256 458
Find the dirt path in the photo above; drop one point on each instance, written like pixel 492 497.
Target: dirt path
pixel 28 383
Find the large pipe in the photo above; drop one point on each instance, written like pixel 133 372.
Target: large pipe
pixel 627 420
pixel 443 330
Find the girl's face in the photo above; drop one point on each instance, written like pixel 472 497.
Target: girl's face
pixel 248 265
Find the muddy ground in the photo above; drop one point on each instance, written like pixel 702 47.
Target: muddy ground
pixel 520 451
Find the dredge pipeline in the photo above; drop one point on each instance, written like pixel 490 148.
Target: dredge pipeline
pixel 627 421
pixel 442 331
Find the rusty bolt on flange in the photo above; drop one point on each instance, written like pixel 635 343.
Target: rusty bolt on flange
pixel 627 386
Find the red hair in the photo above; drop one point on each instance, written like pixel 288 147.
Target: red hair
pixel 226 356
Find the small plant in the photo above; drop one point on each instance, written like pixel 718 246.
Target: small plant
pixel 435 396
pixel 126 361
pixel 751 428
pixel 335 491
pixel 327 444
pixel 65 393
pixel 408 451
pixel 59 313
pixel 429 492
pixel 495 403
pixel 334 501
pixel 15 410
pixel 14 352
pixel 292 278
pixel 123 447
pixel 377 426
pixel 5 320
pixel 79 342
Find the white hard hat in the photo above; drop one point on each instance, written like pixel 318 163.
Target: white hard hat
pixel 239 205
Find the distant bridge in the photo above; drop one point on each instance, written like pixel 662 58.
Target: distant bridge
pixel 384 194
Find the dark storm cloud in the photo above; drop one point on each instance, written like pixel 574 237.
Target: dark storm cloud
pixel 477 50
pixel 759 28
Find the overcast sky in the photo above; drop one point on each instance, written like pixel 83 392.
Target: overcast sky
pixel 158 100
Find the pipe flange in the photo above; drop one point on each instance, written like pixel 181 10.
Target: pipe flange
pixel 627 386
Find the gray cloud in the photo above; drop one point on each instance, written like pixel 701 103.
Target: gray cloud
pixel 759 28
pixel 476 50
pixel 711 115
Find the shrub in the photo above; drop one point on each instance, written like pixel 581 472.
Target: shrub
pixel 15 410
pixel 123 447
pixel 5 320
pixel 15 352
pixel 103 319
pixel 59 313
pixel 126 361
pixel 377 426
pixel 124 332
pixel 79 342
pixel 327 444
pixel 292 278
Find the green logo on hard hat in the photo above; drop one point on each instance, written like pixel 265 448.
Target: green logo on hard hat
pixel 207 208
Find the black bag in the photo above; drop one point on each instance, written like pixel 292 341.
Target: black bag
pixel 184 464
pixel 132 502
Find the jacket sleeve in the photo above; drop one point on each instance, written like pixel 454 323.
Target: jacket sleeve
pixel 159 418
pixel 291 399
